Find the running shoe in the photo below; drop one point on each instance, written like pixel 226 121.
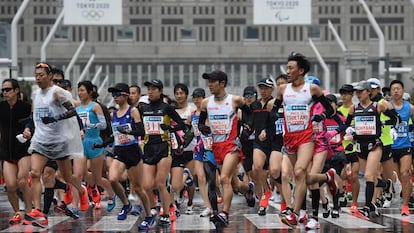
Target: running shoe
pixel 333 188
pixel 164 220
pixel 124 211
pixel 222 219
pixel 207 212
pixel 405 211
pixel 137 210
pixel 172 214
pixel 60 207
pixel 84 200
pixel 111 203
pixel 36 218
pixel 97 205
pixel 335 213
pixel 68 196
pixel 303 216
pixel 72 212
pixel 147 224
pixel 326 211
pixel 96 196
pixel 354 208
pixel 249 195
pixel 17 218
pixel 312 224
pixel 290 220
pixel 287 211
pixel 189 210
pixel 189 180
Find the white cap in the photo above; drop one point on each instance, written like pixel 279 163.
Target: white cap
pixel 406 96
pixel 375 83
pixel 144 99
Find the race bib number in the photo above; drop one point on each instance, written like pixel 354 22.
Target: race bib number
pixel 120 138
pixel 41 112
pixel 84 116
pixel 402 129
pixel 365 125
pixel 219 124
pixel 297 117
pixel 279 125
pixel 195 127
pixel 207 142
pixel 337 138
pixel 152 125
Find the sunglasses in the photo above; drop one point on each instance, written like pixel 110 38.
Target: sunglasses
pixel 116 94
pixel 6 89
pixel 44 65
pixel 56 81
pixel 387 94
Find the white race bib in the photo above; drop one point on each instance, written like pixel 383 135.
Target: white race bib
pixel 152 125
pixel 297 117
pixel 365 125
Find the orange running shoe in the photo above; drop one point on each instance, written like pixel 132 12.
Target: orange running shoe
pixel 68 196
pixel 36 218
pixel 17 218
pixel 173 216
pixel 84 200
pixel 354 208
pixel 96 196
pixel 405 211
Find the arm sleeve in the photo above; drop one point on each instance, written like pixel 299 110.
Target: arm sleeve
pixel 349 120
pixel 174 115
pixel 395 118
pixel 137 129
pixel 329 111
pixel 79 122
pixel 341 124
pixel 101 125
pixel 276 105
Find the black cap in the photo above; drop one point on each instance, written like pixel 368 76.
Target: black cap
pixel 266 82
pixel 121 87
pixel 199 92
pixel 155 83
pixel 66 83
pixel 346 88
pixel 215 75
pixel 385 89
pixel 249 91
pixel 331 98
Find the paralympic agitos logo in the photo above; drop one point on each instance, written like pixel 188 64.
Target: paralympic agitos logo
pixel 281 17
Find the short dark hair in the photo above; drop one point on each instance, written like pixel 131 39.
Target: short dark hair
pixel 397 82
pixel 88 86
pixel 181 86
pixel 137 87
pixel 14 82
pixel 281 76
pixel 56 70
pixel 301 60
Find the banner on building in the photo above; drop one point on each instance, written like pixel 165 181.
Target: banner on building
pixel 283 12
pixel 92 12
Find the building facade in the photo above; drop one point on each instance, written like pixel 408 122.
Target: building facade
pixel 178 40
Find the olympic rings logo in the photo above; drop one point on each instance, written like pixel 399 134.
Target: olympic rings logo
pixel 93 14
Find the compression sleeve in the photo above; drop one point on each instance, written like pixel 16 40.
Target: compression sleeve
pixel 276 105
pixel 341 124
pixel 137 129
pixel 174 115
pixel 395 118
pixel 101 125
pixel 329 111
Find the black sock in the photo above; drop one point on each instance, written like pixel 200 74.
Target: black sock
pixel 381 183
pixel 47 199
pixel 316 196
pixel 336 200
pixel 369 193
pixel 60 185
pixel 303 207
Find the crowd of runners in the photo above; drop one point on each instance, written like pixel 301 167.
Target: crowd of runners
pixel 284 139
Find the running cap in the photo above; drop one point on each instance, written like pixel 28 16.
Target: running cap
pixel 312 80
pixel 346 88
pixel 199 92
pixel 215 75
pixel 144 99
pixel 266 82
pixel 406 96
pixel 249 91
pixel 119 87
pixel 155 82
pixel 375 83
pixel 362 85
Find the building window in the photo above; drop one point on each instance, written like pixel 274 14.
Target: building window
pixel 251 33
pixel 62 32
pixel 187 34
pixel 195 75
pixel 125 33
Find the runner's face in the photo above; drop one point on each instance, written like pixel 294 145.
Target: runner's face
pixel 397 91
pixel 362 95
pixel 134 95
pixel 180 96
pixel 43 79
pixel 8 91
pixel 293 72
pixel 214 86
pixel 281 81
pixel 83 93
pixel 346 97
pixel 265 92
pixel 197 101
pixel 57 79
pixel 154 93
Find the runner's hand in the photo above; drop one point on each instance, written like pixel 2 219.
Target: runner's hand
pixel 318 117
pixel 48 120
